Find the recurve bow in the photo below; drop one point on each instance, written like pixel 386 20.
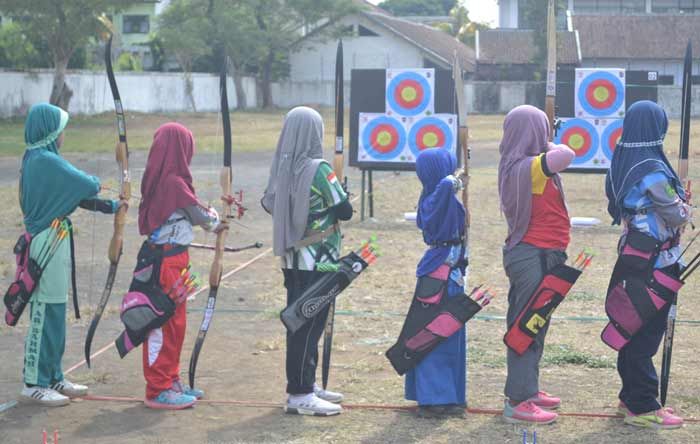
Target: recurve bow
pixel 122 157
pixel 683 176
pixel 225 179
pixel 551 86
pixel 338 163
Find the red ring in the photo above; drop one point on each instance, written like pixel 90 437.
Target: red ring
pixel 586 140
pixel 429 129
pixel 409 104
pixel 394 138
pixel 607 102
pixel 614 138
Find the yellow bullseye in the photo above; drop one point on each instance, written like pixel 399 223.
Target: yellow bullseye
pixel 430 140
pixel 409 94
pixel 576 142
pixel 384 138
pixel 601 94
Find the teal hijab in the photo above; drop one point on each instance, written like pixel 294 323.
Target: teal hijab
pixel 50 186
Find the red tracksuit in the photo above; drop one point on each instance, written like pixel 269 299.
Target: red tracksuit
pixel 161 350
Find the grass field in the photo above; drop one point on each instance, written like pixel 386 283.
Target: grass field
pixel 244 354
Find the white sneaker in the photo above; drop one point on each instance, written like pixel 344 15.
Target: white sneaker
pixel 44 396
pixel 70 389
pixel 328 395
pixel 310 404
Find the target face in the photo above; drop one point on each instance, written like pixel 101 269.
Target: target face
pixel 610 136
pixel 432 132
pixel 581 136
pixel 600 93
pixel 410 92
pixel 382 138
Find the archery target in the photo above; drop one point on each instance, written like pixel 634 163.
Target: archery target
pixel 600 93
pixel 610 133
pixel 382 138
pixel 437 131
pixel 581 136
pixel 410 92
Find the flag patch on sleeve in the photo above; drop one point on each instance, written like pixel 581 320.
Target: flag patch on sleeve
pixel 331 177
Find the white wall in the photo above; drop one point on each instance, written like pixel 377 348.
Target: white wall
pixel 140 92
pixel 664 67
pixel 314 59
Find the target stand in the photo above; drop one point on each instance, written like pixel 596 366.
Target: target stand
pixel 394 115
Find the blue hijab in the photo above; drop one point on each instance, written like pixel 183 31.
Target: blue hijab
pixel 50 186
pixel 638 154
pixel 440 214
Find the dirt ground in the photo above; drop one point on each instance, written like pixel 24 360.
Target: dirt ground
pixel 243 357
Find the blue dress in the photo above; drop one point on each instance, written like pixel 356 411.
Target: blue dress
pixel 441 378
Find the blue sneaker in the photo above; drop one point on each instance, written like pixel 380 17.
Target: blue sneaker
pixel 170 400
pixel 187 390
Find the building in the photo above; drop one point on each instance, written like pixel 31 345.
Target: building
pixel 134 28
pixel 376 39
pixel 631 34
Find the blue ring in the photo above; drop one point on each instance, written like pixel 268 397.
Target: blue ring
pixel 367 133
pixel 617 123
pixel 429 121
pixel 427 94
pixel 595 142
pixel 606 112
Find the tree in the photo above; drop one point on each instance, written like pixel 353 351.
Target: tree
pixel 533 15
pixel 63 26
pixel 461 26
pixel 419 7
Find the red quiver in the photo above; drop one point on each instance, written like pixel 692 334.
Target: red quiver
pixel 552 290
pixel 27 275
pixel 431 319
pixel 637 292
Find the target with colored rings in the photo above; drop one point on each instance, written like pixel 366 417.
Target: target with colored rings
pixel 601 94
pixel 581 136
pixel 410 93
pixel 383 138
pixel 432 132
pixel 610 136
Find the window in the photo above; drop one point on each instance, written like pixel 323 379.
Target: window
pixel 695 80
pixel 136 24
pixel 609 6
pixel 689 6
pixel 665 79
pixel 366 32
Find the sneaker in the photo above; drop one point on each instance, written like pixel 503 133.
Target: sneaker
pixel 544 400
pixel 70 389
pixel 623 411
pixel 44 396
pixel 310 404
pixel 187 390
pixel 660 419
pixel 170 400
pixel 527 413
pixel 328 395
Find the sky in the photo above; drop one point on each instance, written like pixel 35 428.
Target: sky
pixel 485 11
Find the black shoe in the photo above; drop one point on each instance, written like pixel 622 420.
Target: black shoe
pixel 456 410
pixel 432 411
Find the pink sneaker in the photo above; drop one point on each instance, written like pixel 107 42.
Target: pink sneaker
pixel 660 419
pixel 622 409
pixel 545 401
pixel 527 412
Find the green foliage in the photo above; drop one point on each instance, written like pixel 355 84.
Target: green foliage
pixel 128 62
pixel 17 51
pixel 533 15
pixel 419 7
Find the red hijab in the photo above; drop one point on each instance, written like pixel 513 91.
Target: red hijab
pixel 167 180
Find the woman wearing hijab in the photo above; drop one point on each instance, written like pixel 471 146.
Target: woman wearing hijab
pixel 168 212
pixel 438 382
pixel 532 199
pixel 51 188
pixel 646 195
pixel 305 199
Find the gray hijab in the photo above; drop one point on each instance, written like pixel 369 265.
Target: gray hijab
pixel 287 196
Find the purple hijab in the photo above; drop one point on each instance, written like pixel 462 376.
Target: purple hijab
pixel 525 136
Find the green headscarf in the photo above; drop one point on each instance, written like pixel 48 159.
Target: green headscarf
pixel 50 186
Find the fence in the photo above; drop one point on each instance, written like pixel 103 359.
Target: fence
pixel 166 92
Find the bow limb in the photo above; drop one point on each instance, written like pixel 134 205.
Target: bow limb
pixel 463 141
pixel 225 180
pixel 551 86
pixel 122 158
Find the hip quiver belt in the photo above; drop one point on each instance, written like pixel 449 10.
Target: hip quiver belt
pixel 322 292
pixel 432 318
pixel 555 284
pixel 146 306
pixel 637 291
